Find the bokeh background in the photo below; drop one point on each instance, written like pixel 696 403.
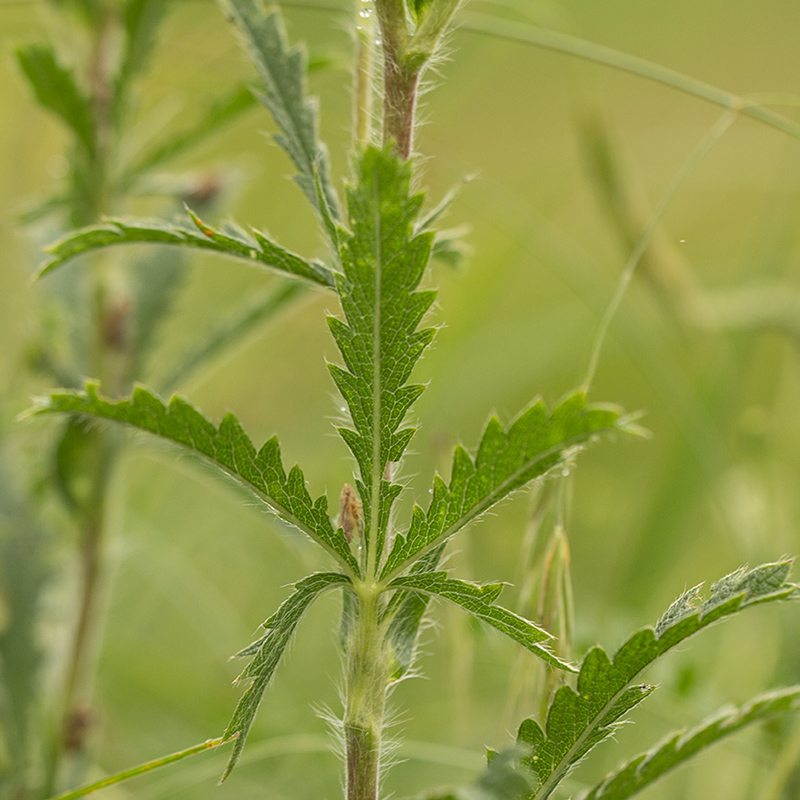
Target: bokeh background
pixel 195 570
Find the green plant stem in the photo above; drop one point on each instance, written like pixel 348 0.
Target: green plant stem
pixel 365 702
pixel 599 54
pixel 106 362
pixel 140 769
pixel 400 77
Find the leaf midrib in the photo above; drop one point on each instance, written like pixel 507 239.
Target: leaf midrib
pixel 375 478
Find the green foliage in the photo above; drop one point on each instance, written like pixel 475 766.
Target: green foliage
pixel 479 601
pixel 24 576
pixel 641 771
pixel 220 112
pixel 259 250
pixel 227 447
pixel 267 652
pixel 383 262
pixel 382 243
pixel 578 720
pixel 57 90
pixel 283 81
pixel 581 718
pixel 141 19
pixel 536 443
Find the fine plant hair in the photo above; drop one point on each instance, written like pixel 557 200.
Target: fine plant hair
pixel 381 235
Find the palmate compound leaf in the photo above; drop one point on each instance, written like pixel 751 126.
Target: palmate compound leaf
pixel 267 652
pixel 536 443
pixel 680 746
pixel 257 250
pixel 478 600
pixel 227 447
pixel 579 720
pixel 282 72
pixel 383 261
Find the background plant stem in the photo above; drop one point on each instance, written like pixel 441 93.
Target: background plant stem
pixel 106 363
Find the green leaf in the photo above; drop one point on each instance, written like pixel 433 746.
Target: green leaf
pixel 406 610
pixel 579 720
pixel 227 447
pixel 141 19
pixel 680 746
pixel 449 247
pixel 536 443
pixel 57 90
pixel 267 652
pixel 500 781
pixel 259 250
pixel 478 600
pixel 155 282
pixel 77 460
pixel 283 74
pixel 383 261
pixel 25 575
pixel 236 325
pixel 219 113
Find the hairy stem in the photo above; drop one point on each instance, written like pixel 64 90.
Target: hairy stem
pixel 400 77
pixel 365 702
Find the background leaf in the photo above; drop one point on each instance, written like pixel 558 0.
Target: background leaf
pixel 57 90
pixel 141 19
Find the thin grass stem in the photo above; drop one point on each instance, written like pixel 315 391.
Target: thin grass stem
pixel 716 132
pixel 141 769
pixel 600 54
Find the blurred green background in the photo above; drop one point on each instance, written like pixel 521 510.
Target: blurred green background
pixel 195 571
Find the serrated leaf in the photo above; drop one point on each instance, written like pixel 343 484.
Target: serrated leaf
pixel 383 261
pixel 678 747
pixel 227 447
pixel 579 720
pixel 533 445
pixel 57 90
pixel 267 652
pixel 283 74
pixel 478 600
pixel 258 251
